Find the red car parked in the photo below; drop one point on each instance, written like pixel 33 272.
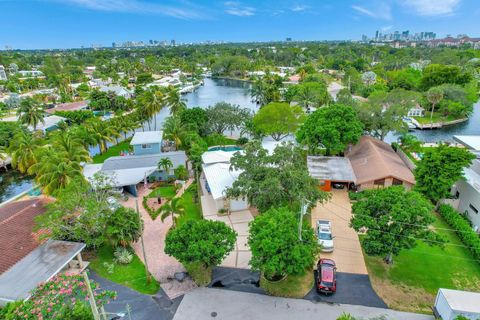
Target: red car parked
pixel 327 278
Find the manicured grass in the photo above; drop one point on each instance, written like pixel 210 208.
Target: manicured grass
pixel 192 209
pixel 167 192
pixel 293 286
pixel 112 151
pixel 131 275
pixel 437 117
pixel 413 280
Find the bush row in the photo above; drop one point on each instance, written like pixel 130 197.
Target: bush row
pixel 464 231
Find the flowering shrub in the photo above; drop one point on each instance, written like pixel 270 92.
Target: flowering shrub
pixel 60 298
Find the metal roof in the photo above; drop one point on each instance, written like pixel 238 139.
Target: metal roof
pixel 463 301
pixel 38 266
pixel 330 168
pixel 471 142
pixel 147 137
pixel 219 178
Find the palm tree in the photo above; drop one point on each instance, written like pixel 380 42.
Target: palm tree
pixel 101 132
pixel 30 113
pixel 54 170
pixel 174 100
pixel 71 148
pixel 22 149
pixel 172 208
pixel 165 164
pixel 173 130
pixel 153 101
pixel 258 92
pixel 3 157
pixel 434 96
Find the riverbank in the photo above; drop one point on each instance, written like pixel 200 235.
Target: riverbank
pixel 436 125
pixel 231 78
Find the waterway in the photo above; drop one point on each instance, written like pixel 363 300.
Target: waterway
pixel 238 92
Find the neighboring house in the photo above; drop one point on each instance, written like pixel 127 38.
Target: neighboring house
pixel 26 260
pixel 467 191
pixel 216 178
pixel 149 142
pixel 31 73
pixel 453 304
pixel 118 90
pixel 69 106
pixel 328 170
pixel 3 75
pixel 50 123
pixel 375 165
pixel 416 111
pixel 128 171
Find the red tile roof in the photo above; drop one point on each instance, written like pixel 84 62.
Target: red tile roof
pixel 69 106
pixel 17 238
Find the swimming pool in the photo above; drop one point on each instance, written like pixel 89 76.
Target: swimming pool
pixel 224 148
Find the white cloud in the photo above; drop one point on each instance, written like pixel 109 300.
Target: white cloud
pixel 386 28
pixel 299 8
pixel 380 11
pixel 237 9
pixel 432 7
pixel 136 6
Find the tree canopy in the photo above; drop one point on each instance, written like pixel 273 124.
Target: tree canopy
pixel 394 219
pixel 439 169
pixel 278 119
pixel 276 248
pixel 279 179
pixel 333 128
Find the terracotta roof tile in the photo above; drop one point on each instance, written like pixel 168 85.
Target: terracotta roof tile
pixel 17 238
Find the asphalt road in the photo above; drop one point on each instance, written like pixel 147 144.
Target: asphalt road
pixel 353 289
pixel 142 306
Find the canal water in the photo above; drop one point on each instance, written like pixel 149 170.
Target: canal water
pixel 238 92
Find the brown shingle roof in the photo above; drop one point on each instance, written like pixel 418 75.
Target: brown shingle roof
pixel 373 159
pixel 17 238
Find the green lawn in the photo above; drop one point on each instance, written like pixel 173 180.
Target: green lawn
pixel 131 275
pixel 112 151
pixel 293 286
pixel 192 209
pixel 437 117
pixel 215 141
pixel 167 192
pixel 413 280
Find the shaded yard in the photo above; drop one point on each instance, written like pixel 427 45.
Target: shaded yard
pixel 113 151
pixel 131 275
pixel 411 283
pixel 192 209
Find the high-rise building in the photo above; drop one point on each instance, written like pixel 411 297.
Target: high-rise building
pixel 288 39
pixel 173 43
pixel 376 35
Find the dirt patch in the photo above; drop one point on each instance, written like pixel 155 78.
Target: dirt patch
pixel 402 297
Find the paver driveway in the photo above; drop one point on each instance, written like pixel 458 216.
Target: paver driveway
pixel 347 251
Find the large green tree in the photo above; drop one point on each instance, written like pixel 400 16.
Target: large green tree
pixel 224 116
pixel 200 244
pixel 331 128
pixel 439 169
pixel 279 179
pixel 278 119
pixel 30 113
pixel 277 250
pixel 394 219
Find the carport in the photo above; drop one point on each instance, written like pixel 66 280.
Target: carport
pixel 39 266
pixel 330 170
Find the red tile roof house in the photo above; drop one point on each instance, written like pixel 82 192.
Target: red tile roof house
pixel 69 106
pixel 25 260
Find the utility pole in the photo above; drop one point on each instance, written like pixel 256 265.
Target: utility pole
pixel 93 303
pixel 141 243
pixel 303 211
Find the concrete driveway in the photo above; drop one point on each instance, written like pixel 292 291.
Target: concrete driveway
pixel 347 250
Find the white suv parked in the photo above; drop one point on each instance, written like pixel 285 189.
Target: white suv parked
pixel 324 234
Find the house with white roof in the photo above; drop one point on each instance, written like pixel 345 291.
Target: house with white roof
pixel 50 123
pixel 118 90
pixel 467 191
pixel 128 171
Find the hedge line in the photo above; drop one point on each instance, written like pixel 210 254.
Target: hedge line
pixel 464 231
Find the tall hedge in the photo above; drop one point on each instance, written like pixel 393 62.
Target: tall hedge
pixel 463 229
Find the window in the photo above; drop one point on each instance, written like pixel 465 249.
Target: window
pixel 473 208
pixel 146 146
pixel 397 182
pixel 379 182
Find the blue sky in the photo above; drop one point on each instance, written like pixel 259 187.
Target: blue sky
pixel 27 24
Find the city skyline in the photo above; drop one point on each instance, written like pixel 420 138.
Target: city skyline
pixel 52 24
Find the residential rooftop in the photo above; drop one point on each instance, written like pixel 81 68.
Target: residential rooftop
pixel 147 137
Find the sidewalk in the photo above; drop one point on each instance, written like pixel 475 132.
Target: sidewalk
pixel 207 303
